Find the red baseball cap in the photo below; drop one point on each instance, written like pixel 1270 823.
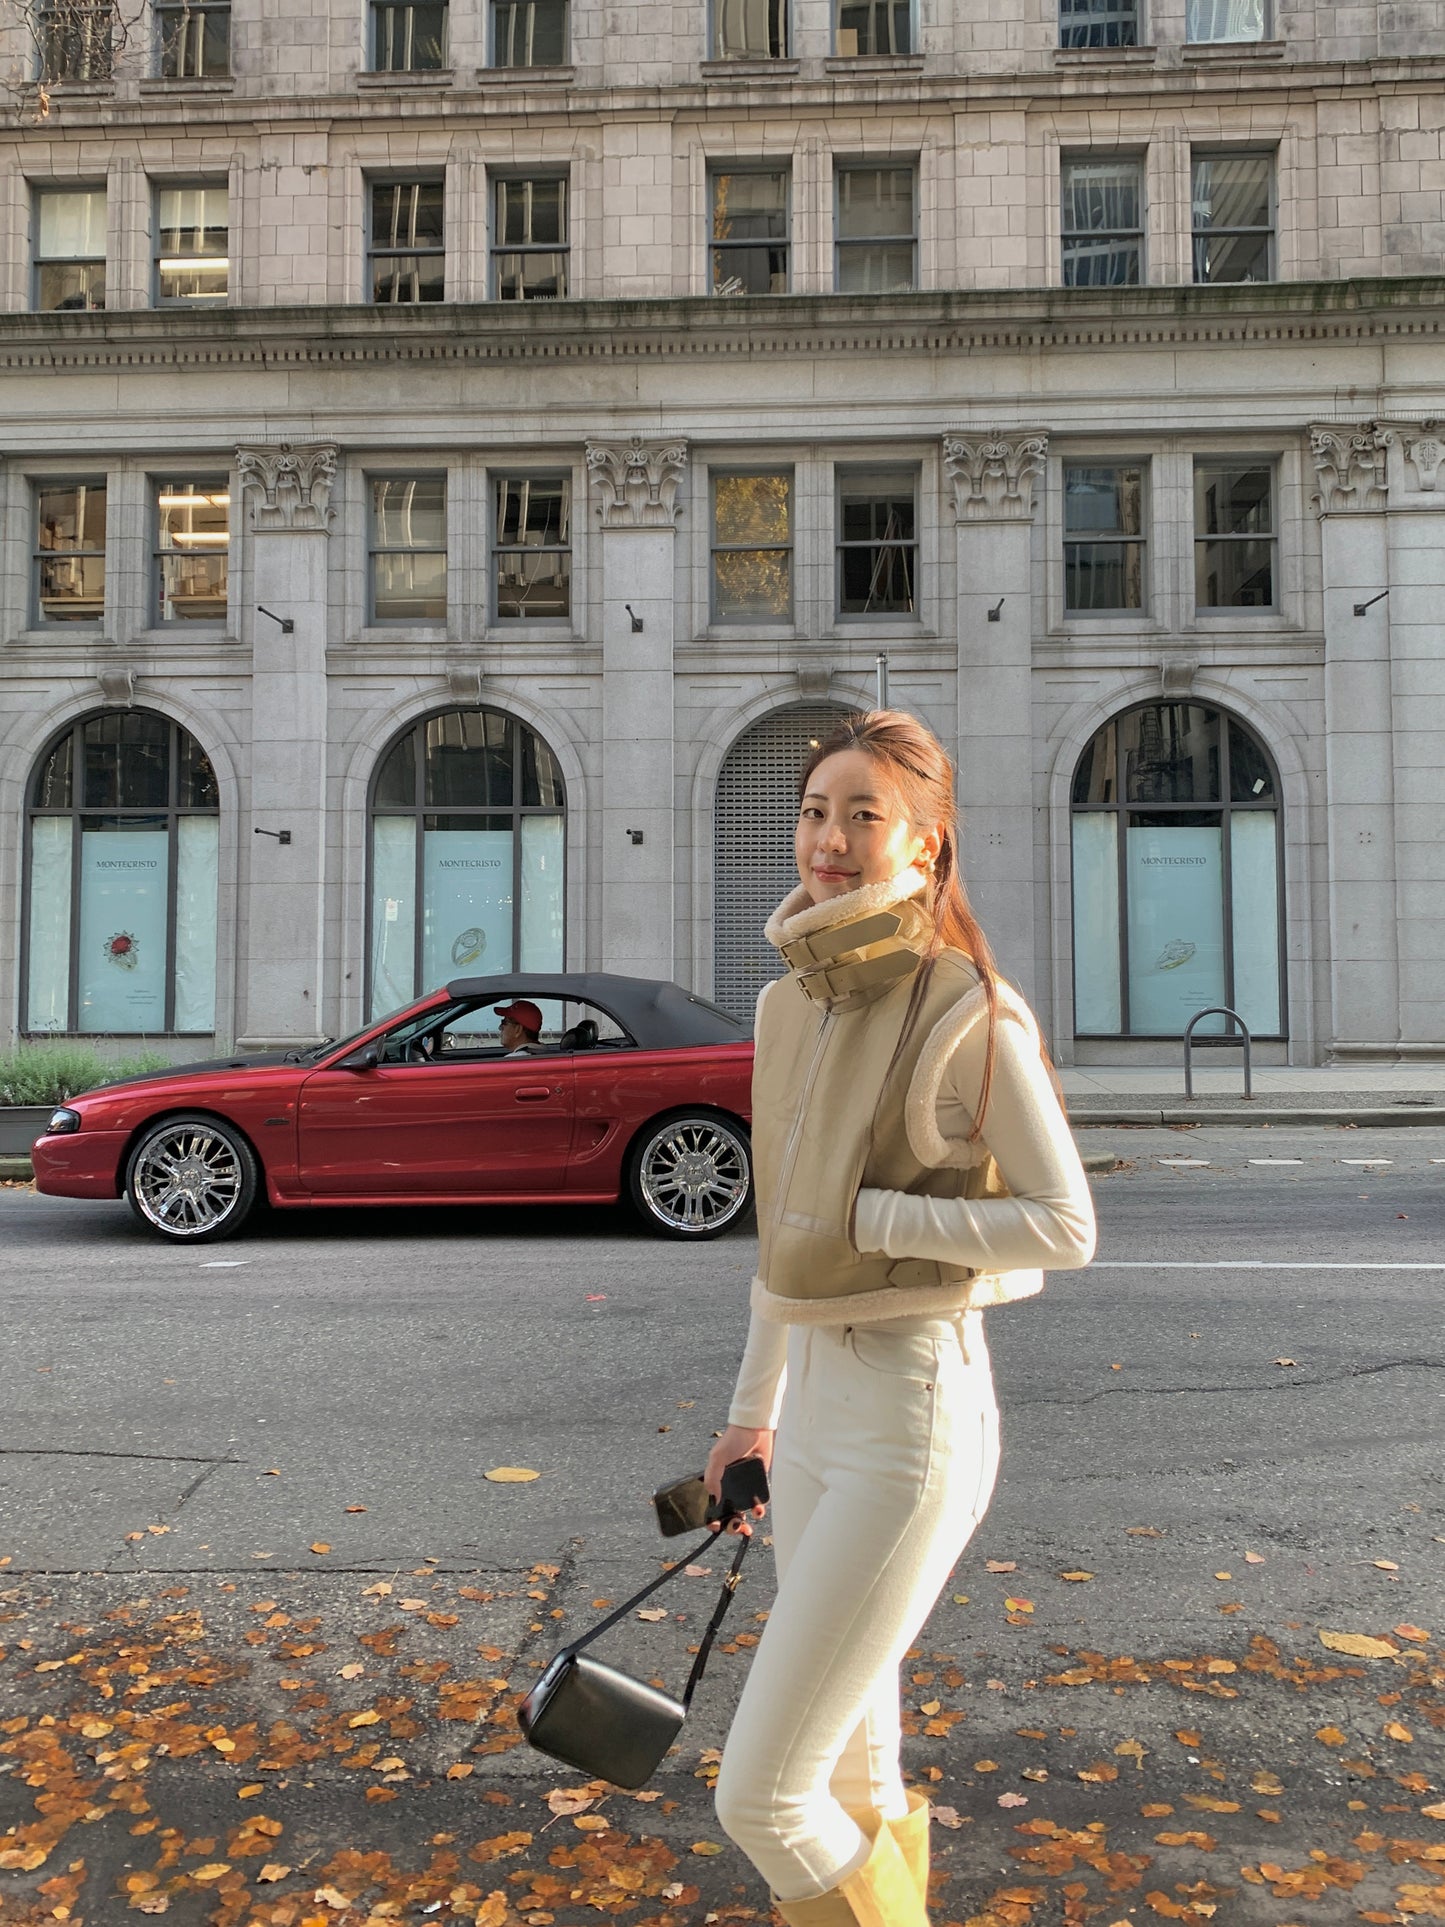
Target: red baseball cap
pixel 523 1013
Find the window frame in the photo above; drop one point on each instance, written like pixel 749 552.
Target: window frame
pixel 1141 541
pixel 1270 231
pixel 98 73
pixel 499 479
pixel 199 12
pixel 215 483
pixel 1134 24
pixel 375 10
pixel 183 302
pixel 525 66
pixel 173 809
pixel 715 172
pixel 745 619
pixel 370 477
pixel 377 183
pixel 1093 158
pixel 39 485
pixel 717 51
pixel 1122 807
pixel 909 10
pixel 856 474
pixel 866 165
pixel 1236 464
pixel 39 260
pixel 500 179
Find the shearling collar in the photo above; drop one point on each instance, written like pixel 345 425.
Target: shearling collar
pixel 848 951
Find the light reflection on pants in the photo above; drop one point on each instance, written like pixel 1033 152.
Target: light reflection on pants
pixel 886 1455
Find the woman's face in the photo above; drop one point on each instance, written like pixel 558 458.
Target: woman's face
pixel 852 828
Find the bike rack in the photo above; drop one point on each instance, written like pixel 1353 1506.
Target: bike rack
pixel 1193 1043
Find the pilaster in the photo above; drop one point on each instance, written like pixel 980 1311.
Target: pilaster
pixel 286 492
pixel 993 477
pixel 634 492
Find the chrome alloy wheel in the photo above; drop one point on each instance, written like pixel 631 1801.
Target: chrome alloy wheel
pixel 187 1180
pixel 694 1176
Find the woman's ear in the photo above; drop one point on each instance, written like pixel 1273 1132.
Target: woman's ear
pixel 932 844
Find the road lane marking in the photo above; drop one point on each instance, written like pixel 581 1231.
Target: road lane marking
pixel 1276 1160
pixel 1200 1161
pixel 1249 1264
pixel 1367 1160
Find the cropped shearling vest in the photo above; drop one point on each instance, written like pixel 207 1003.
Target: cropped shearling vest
pixel 839 1104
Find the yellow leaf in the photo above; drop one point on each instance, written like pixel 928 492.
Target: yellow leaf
pixel 273 1870
pixel 652 1613
pixel 321 1546
pixel 381 1590
pixel 1000 1565
pixel 1359 1645
pixel 985 1766
pixel 591 1823
pixel 1131 1750
pixel 250 1792
pixel 1076 1578
pixel 565 1800
pixel 1156 1809
pixel 212 1872
pixel 1330 1735
pixel 1019 1605
pixel 353 1670
pixel 356 1508
pixel 1435 1812
pixel 1394 1731
pixel 1038 1773
pixel 461 1771
pixel 364 1719
pixel 1224 1575
pixel 515 1475
pixel 960 1599
pixel 1387 1565
pixel 1254 1558
pixel 705 1847
pixel 930 1706
pixel 1207 1803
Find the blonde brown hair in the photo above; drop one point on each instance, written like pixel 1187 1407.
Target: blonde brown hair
pixel 922 773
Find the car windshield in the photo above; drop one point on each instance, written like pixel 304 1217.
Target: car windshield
pixel 314 1052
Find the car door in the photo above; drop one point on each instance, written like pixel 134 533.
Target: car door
pixel 493 1126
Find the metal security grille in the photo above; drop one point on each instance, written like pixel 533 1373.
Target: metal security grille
pixel 753 848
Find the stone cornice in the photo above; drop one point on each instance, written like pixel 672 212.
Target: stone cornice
pixel 1001 321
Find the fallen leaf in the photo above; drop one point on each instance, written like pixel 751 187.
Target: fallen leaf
pixel 1019 1605
pixel 1036 1773
pixel 1407 1631
pixel 652 1613
pixel 1330 1736
pixel 1286 1361
pixel 1394 1731
pixel 213 1871
pixel 250 1792
pixel 960 1599
pixel 1254 1558
pixel 1013 1800
pixel 1386 1565
pixel 1144 1532
pixel 568 1800
pixel 985 1766
pixel 381 1590
pixel 1224 1575
pixel 1156 1809
pixel 273 1871
pixel 931 1707
pixel 1001 1565
pixel 1131 1750
pixel 949 1817
pixel 321 1546
pixel 356 1508
pixel 1359 1645
pixel 514 1475
pixel 705 1847
pixel 463 1770
pixel 591 1823
pixel 352 1670
pixel 1076 1578
pixel 1435 1812
pixel 368 1718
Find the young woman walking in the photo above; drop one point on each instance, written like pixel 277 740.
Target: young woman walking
pixel 913 1166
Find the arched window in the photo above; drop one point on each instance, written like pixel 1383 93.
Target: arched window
pixel 467 843
pixel 757 808
pixel 121 880
pixel 1177 875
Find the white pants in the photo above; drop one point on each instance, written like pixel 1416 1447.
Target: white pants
pixel 885 1459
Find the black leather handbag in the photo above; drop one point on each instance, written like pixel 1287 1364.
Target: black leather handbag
pixel 605 1723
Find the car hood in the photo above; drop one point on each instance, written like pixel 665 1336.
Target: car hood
pixel 174 1073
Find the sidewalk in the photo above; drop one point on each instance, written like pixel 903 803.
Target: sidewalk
pixel 1394 1095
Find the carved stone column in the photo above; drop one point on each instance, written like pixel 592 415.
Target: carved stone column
pixel 634 489
pixel 1353 471
pixel 994 477
pixel 286 499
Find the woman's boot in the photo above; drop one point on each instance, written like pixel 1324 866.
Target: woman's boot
pixel 911 1833
pixel 880 1893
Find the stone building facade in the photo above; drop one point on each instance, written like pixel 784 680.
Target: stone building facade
pixel 441 496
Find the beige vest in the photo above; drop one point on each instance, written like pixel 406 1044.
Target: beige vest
pixel 838 1106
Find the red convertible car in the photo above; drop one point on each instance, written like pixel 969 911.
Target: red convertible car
pixel 632 1088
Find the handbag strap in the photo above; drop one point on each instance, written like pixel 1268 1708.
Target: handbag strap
pixel 725 1599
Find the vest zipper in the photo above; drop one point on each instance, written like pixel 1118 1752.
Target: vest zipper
pixel 790 1149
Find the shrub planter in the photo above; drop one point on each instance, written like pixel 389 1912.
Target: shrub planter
pixel 20 1125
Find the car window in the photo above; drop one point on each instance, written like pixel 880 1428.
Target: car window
pixel 472 1033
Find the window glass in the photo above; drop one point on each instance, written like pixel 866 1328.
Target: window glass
pixel 408 248
pixel 195 40
pixel 193 539
pixel 197 867
pixel 409 38
pixel 874 28
pixel 1250 778
pixel 1170 753
pixel 468 760
pixel 76 42
pixel 752 547
pixel 126 760
pixel 877 544
pixel 876 243
pixel 750 29
pixel 542 905
pixel 1254 891
pixel 1103 239
pixel 70 552
pixel 124 883
pixel 467 887
pixel 1234 548
pixel 750 232
pixel 408 552
pixel 70 229
pixel 1103 537
pixel 1175 881
pixel 530 240
pixel 1225 20
pixel 1096 922
pixel 1233 218
pixel 393 912
pixel 1098 23
pixel 529 33
pixel 52 840
pixel 192 262
pixel 396 782
pixel 532 556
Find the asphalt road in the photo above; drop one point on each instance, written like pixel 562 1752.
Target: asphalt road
pixel 1253 1367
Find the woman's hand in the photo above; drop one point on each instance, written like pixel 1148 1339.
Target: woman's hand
pixel 737 1442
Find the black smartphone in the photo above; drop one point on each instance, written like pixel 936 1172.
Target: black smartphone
pixel 684 1506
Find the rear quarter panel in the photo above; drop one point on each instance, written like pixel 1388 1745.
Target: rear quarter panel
pixel 620 1091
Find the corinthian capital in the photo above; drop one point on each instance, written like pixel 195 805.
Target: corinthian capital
pixel 1424 451
pixel 1350 464
pixel 993 475
pixel 288 486
pixel 635 483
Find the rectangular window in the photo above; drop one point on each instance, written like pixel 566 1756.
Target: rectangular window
pixel 529 33
pixel 877 543
pixel 1103 223
pixel 1098 23
pixel 1234 541
pixel 69 248
pixel 407 252
pixel 750 30
pixel 76 42
pixel 529 239
pixel 1103 537
pixel 750 250
pixel 194 40
pixel 1233 216
pixel 877 237
pixel 408 39
pixel 752 548
pixel 408 548
pixel 192 550
pixel 192 261
pixel 1215 20
pixel 70 551
pixel 873 28
pixel 532 548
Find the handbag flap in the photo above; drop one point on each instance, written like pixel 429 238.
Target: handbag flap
pixel 605 1723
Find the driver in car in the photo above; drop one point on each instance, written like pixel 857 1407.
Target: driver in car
pixel 521 1028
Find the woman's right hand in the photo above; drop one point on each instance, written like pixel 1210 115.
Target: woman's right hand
pixel 738 1442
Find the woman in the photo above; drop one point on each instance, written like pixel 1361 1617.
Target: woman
pixel 913 1165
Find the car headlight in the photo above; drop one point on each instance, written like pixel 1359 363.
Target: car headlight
pixel 63 1122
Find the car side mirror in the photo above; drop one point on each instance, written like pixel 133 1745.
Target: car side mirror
pixel 365 1059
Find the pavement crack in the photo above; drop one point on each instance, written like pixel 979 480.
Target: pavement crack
pixel 1293 1384
pixel 80 1452
pixel 200 1479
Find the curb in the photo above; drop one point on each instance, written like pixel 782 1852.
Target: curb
pixel 1402 1117
pixel 1096 1161
pixel 12 1168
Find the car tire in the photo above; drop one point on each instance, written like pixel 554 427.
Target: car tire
pixel 690 1174
pixel 192 1179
